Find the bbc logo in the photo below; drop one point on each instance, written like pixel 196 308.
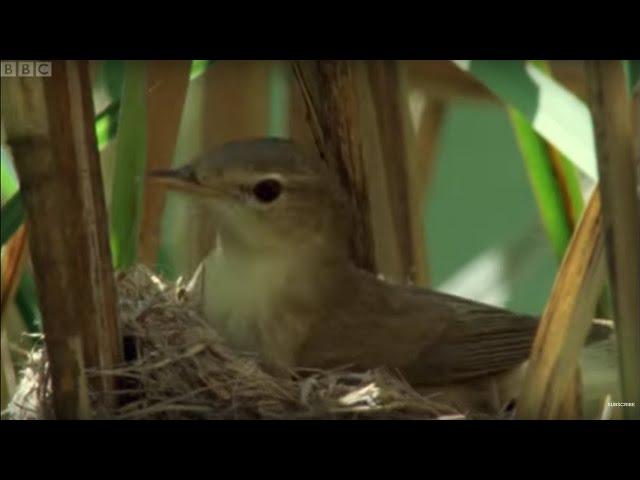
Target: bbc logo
pixel 25 69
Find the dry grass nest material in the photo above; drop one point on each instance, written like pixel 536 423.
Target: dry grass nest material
pixel 184 370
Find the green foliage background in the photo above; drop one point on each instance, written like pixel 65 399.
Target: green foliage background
pixel 480 198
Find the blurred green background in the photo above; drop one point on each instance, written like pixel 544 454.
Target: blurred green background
pixel 481 214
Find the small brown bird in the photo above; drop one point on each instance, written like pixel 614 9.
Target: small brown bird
pixel 280 282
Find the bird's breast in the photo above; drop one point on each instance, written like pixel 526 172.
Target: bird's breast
pixel 246 300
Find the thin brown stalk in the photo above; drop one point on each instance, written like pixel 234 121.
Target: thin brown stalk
pixel 571 75
pixel 49 123
pixel 236 101
pixel 358 115
pixel 390 260
pixel 166 93
pixel 566 320
pixel 329 90
pixel 610 107
pixel 571 406
pixel 400 165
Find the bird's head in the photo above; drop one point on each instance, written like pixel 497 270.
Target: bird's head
pixel 267 195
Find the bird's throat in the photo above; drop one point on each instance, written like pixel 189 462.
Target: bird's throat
pixel 263 303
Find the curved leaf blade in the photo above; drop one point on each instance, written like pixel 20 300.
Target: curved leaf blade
pixel 553 111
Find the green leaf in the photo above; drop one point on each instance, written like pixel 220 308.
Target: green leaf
pixel 107 124
pixel 564 171
pixel 553 111
pixel 543 182
pixel 198 67
pixel 8 178
pixel 12 217
pixel 555 185
pixel 131 153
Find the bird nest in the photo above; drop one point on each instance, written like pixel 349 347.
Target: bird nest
pixel 179 368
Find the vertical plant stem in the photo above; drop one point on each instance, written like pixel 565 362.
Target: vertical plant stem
pixel 329 89
pixel 167 83
pixel 358 115
pixel 128 183
pixel 50 129
pixel 610 106
pixel 400 165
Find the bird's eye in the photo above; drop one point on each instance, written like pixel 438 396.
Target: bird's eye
pixel 267 190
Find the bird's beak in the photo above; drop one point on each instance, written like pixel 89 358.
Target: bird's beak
pixel 180 179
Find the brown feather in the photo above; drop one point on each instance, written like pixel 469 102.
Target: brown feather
pixel 432 337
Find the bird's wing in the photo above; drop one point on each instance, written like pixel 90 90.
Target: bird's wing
pixel 475 340
pixel 432 337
